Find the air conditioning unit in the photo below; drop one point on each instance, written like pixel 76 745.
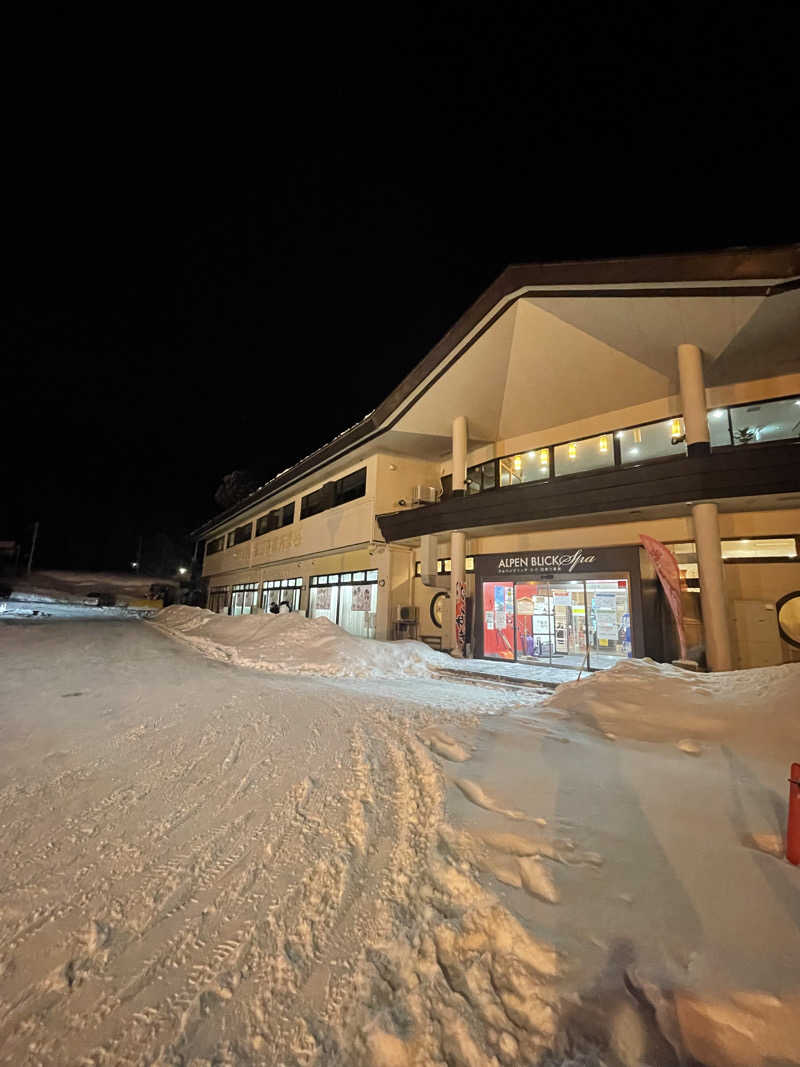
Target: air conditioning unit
pixel 424 494
pixel 406 613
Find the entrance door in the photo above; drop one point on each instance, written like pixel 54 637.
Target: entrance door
pixel 551 622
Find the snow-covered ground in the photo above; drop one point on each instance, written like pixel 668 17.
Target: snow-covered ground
pixel 350 863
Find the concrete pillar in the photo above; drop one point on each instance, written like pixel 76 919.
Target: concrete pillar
pixel 693 398
pixel 712 586
pixel 459 455
pixel 458 589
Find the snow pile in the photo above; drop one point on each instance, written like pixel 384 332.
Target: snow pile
pixel 293 644
pixel 648 701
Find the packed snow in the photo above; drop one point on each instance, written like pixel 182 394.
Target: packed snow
pixel 307 863
pixel 294 644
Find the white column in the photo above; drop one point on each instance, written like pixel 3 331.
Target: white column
pixel 712 586
pixel 457 577
pixel 459 454
pixel 693 398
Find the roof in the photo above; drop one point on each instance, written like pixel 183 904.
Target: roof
pixel 737 272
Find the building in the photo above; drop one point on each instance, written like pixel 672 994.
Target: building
pixel 572 408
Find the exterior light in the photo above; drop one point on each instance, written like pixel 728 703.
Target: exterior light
pixel 604 444
pixel 637 435
pixel 676 428
pixel 134 564
pixel 572 450
pixel 544 458
pixel 181 570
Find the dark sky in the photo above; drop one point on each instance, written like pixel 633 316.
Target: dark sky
pixel 222 269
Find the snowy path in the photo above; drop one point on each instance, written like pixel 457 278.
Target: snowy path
pixel 202 865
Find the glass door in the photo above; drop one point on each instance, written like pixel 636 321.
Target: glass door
pixel 551 622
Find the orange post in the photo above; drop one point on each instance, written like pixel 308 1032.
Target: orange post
pixel 793 823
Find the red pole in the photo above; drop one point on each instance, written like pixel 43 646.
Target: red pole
pixel 793 823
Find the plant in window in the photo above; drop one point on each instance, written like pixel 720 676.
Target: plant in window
pixel 747 435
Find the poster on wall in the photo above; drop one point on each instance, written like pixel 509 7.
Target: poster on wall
pixel 500 620
pixel 323 600
pixel 362 597
pixel 489 620
pixel 605 607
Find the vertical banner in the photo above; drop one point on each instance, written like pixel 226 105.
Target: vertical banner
pixel 461 616
pixel 670 577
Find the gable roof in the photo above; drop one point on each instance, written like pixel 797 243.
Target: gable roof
pixel 737 272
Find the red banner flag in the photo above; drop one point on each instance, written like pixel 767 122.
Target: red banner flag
pixel 670 577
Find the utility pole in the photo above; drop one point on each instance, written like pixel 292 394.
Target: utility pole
pixel 33 545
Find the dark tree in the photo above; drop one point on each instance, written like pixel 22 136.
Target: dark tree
pixel 234 487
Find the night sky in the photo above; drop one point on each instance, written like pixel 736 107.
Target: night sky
pixel 223 271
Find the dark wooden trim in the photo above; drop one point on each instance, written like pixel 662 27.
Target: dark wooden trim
pixel 699 448
pixel 736 472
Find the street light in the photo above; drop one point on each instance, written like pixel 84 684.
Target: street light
pixel 181 570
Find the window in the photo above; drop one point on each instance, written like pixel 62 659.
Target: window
pixel 719 430
pixel 275 520
pixel 589 454
pixel 745 550
pixel 531 466
pixel 244 598
pixel 349 599
pixel 482 477
pixel 332 494
pixel 654 440
pixel 215 546
pixel 240 534
pixel 278 590
pixel 774 420
pixel 351 487
pixel 443 566
pixel 219 599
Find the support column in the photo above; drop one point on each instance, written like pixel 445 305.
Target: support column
pixel 712 586
pixel 459 455
pixel 458 593
pixel 693 397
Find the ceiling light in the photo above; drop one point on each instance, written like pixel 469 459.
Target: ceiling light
pixel 676 427
pixel 572 450
pixel 604 444
pixel 634 451
pixel 637 435
pixel 718 414
pixel 544 457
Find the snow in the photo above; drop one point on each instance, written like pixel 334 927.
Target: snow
pixel 308 864
pixel 293 644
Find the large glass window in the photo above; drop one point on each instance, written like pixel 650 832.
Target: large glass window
pixel 772 420
pixel 349 598
pixel 589 454
pixel 530 466
pixel 276 519
pixel 745 549
pixel 215 546
pixel 219 599
pixel 482 477
pixel 282 590
pixel 719 431
pixel 244 598
pixel 652 441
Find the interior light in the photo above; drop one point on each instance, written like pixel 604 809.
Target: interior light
pixel 572 450
pixel 517 463
pixel 637 436
pixel 619 434
pixel 544 458
pixel 718 414
pixel 634 451
pixel 531 455
pixel 604 444
pixel 797 403
pixel 676 428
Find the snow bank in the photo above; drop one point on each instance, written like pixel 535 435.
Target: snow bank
pixel 648 701
pixel 293 644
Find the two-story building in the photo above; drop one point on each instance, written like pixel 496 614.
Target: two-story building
pixel 572 408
